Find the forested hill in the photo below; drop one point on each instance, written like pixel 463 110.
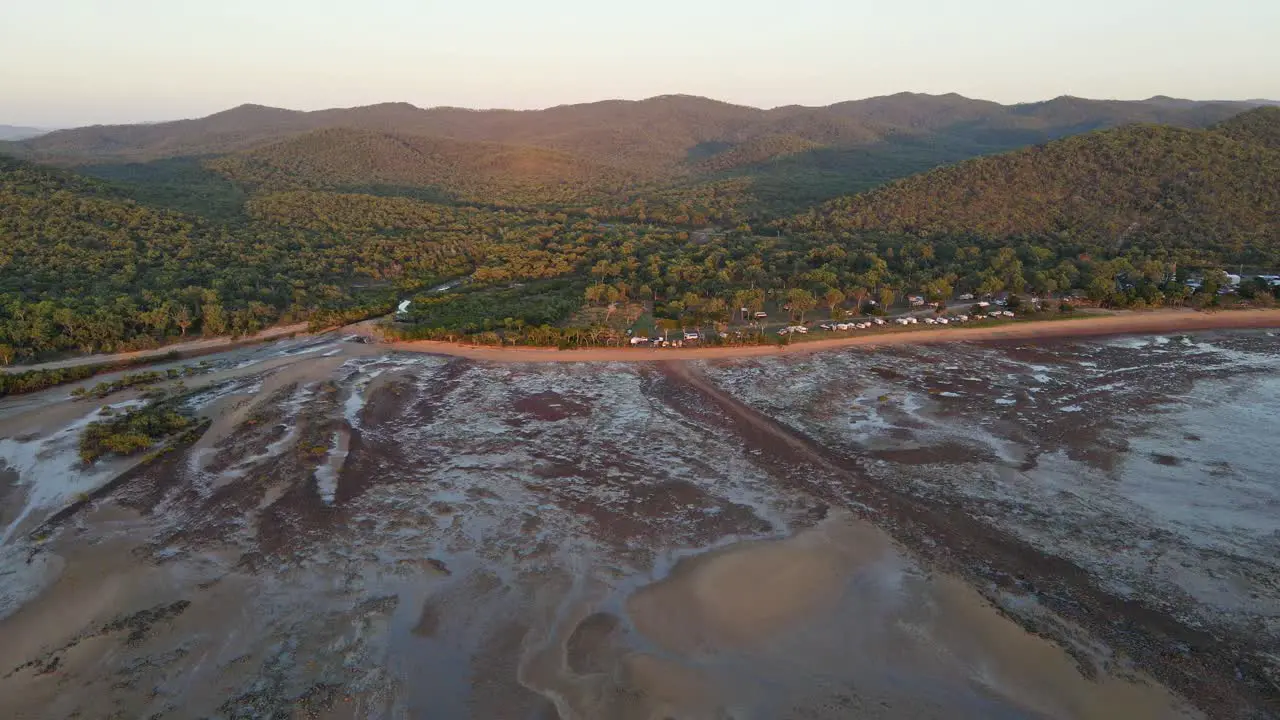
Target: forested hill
pixel 1260 126
pixel 604 152
pixel 1217 190
pixel 341 158
pixel 659 131
pixel 82 269
pixel 337 223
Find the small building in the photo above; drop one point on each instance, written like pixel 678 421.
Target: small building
pixel 761 315
pixel 916 300
pixel 402 312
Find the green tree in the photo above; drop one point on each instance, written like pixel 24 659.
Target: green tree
pixel 832 299
pixel 886 298
pixel 801 302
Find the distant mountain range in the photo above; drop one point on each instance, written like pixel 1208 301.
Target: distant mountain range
pixel 18 132
pixel 801 154
pixel 659 131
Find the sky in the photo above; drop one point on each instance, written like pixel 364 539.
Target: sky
pixel 66 63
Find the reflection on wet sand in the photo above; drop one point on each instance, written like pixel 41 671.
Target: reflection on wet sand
pixel 833 622
pixel 371 535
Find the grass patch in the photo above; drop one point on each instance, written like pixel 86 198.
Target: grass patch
pixel 141 379
pixel 133 432
pixel 19 383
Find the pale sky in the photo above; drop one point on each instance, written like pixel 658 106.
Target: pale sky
pixel 76 62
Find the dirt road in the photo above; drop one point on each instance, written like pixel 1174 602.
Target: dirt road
pixel 1158 321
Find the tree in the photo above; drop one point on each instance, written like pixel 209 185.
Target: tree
pixel 886 298
pixel 801 301
pixel 990 285
pixel 938 290
pixel 751 299
pixel 715 309
pixel 215 317
pixel 182 318
pixel 742 302
pixel 1214 280
pixel 1257 289
pixel 832 300
pixel 859 295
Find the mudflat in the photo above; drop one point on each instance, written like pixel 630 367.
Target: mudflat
pixel 1066 528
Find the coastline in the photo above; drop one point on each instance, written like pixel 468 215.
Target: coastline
pixel 185 349
pixel 1153 321
pixel 1121 323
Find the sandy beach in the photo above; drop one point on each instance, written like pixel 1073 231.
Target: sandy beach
pixel 1156 321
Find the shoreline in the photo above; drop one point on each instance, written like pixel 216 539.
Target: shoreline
pixel 1123 323
pixel 184 350
pixel 1154 321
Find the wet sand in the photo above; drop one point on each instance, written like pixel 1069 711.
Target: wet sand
pixel 370 534
pixel 1155 321
pixel 743 630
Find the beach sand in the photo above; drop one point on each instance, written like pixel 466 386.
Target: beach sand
pixel 1156 321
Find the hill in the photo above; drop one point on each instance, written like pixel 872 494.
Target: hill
pixel 17 132
pixel 572 211
pixel 1158 186
pixel 1260 126
pixel 793 156
pixel 659 131
pixel 84 269
pixel 344 159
